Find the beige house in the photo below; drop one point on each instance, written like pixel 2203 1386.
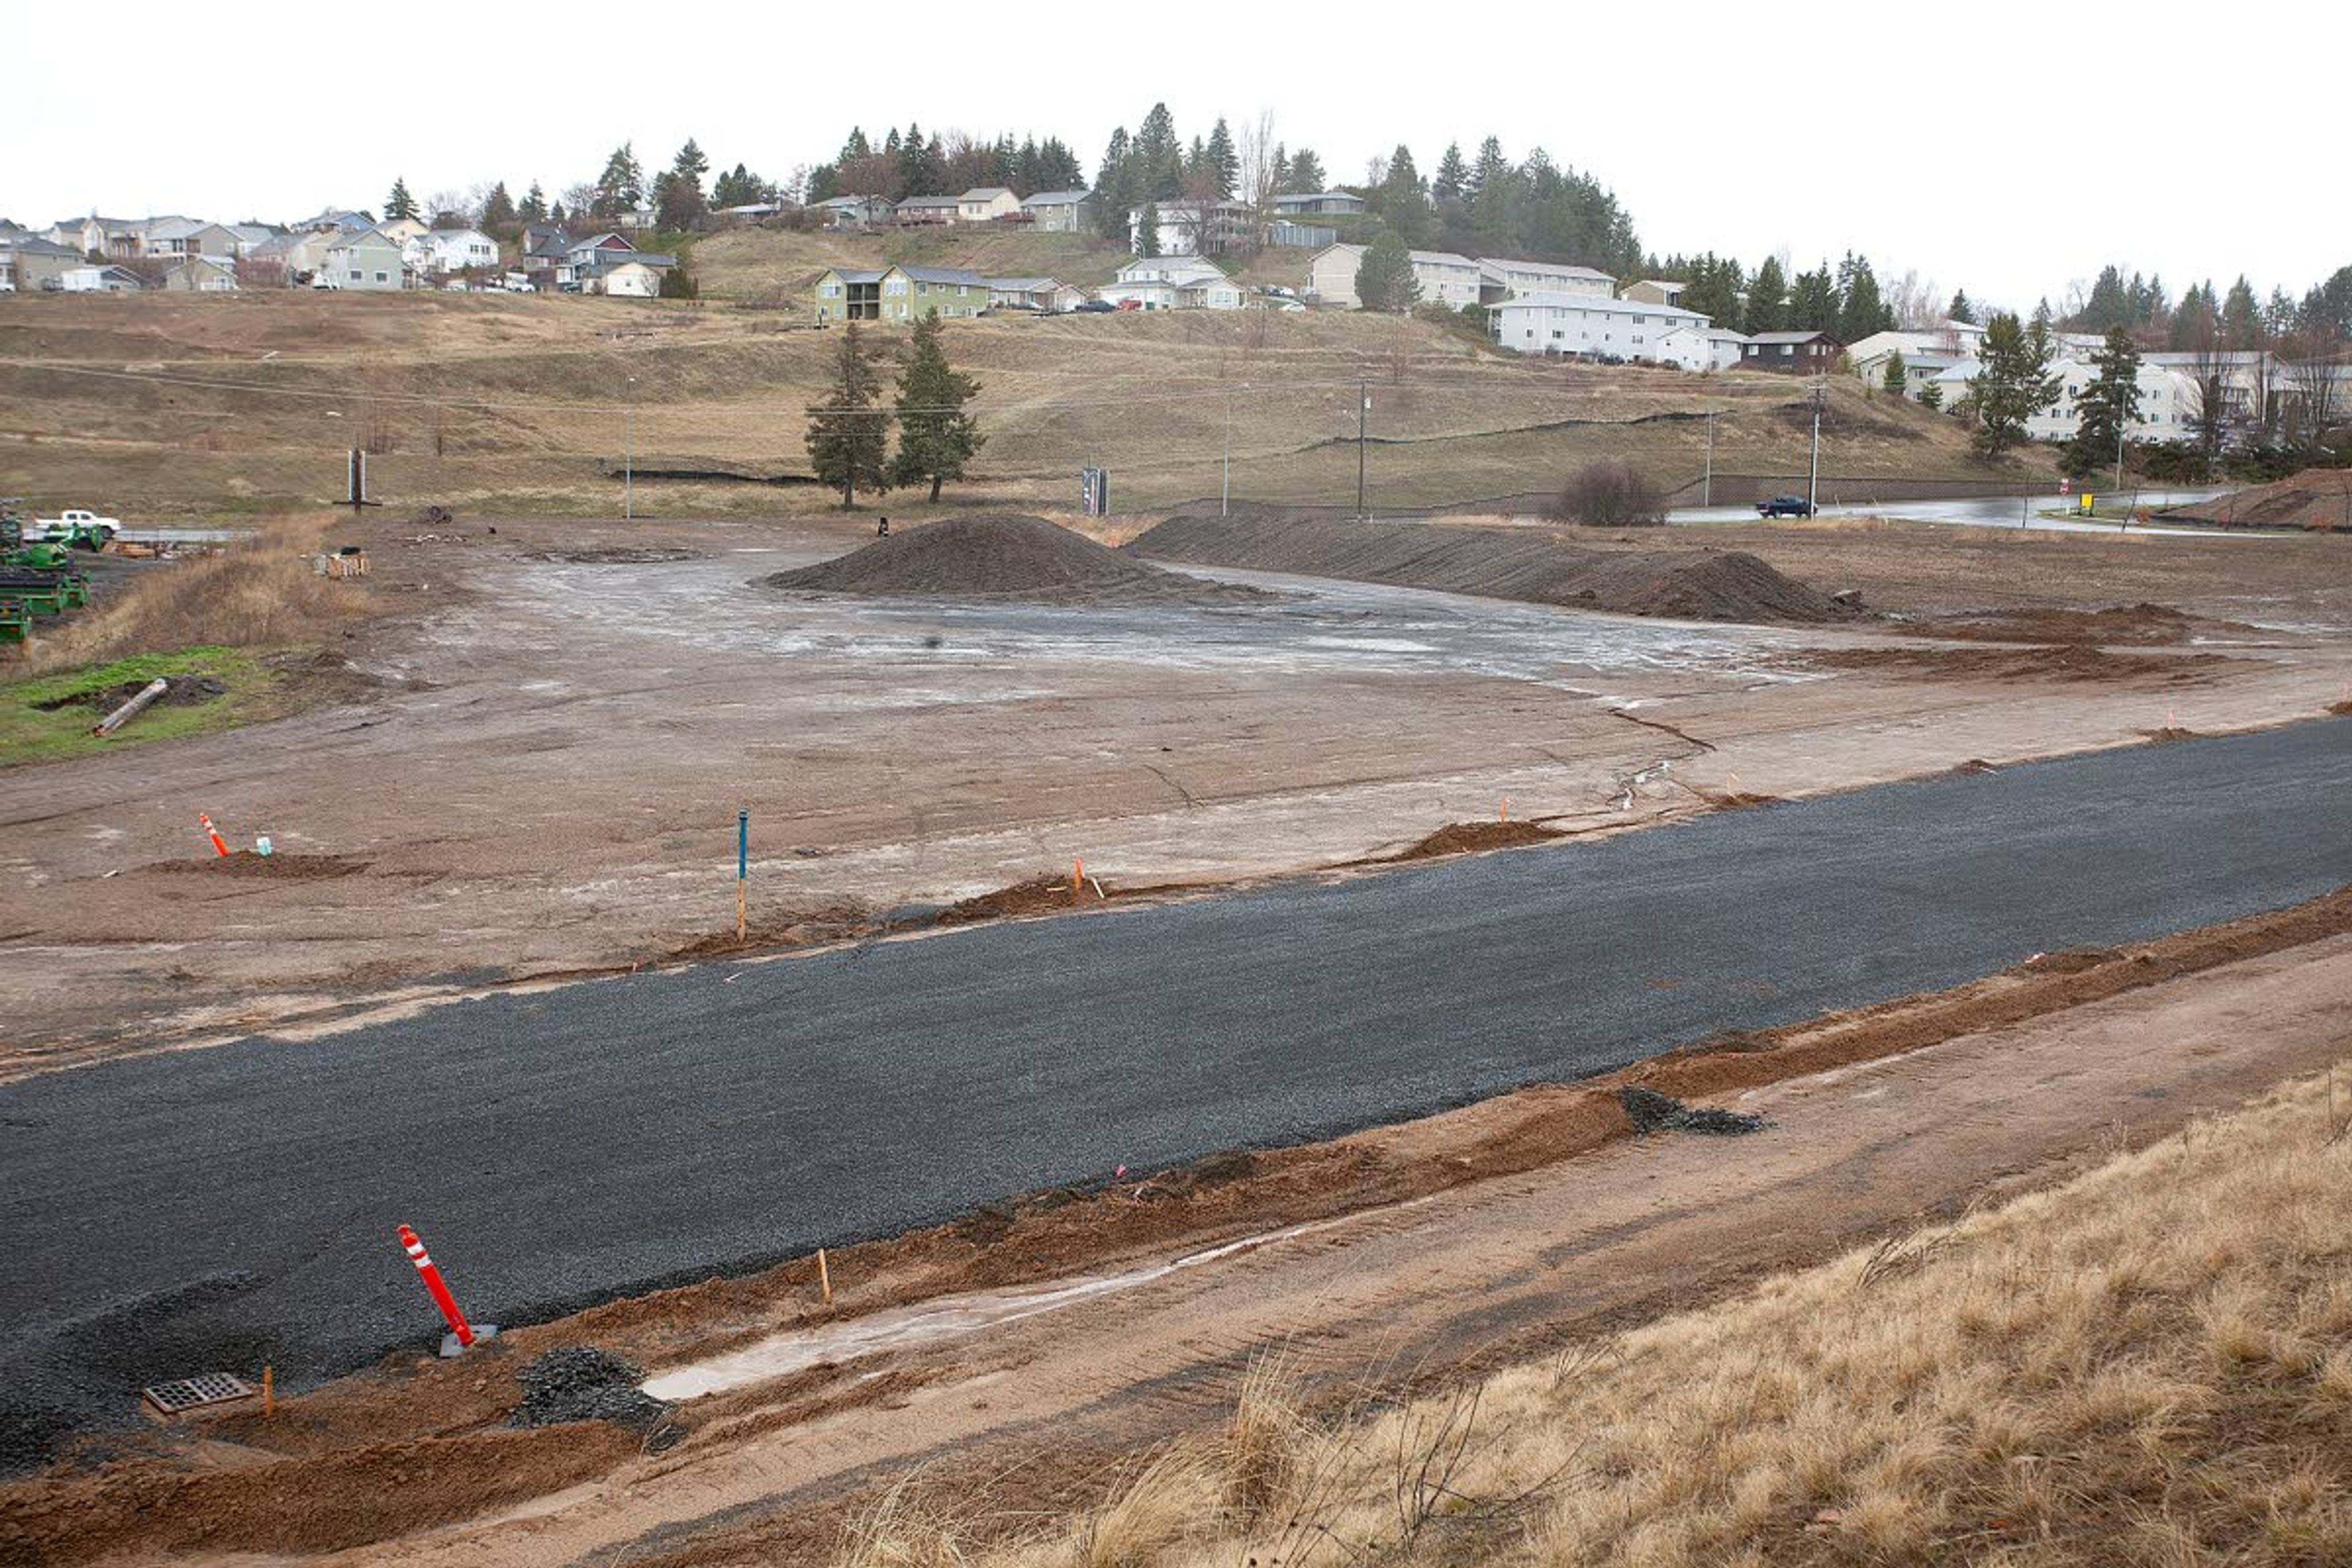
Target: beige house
pixel 401 230
pixel 1654 291
pixel 30 264
pixel 1444 278
pixel 982 203
pixel 201 275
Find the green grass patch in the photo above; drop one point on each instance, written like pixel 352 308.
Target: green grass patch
pixel 41 722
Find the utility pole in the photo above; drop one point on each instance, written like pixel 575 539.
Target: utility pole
pixel 1363 416
pixel 1706 489
pixel 629 456
pixel 1813 475
pixel 2119 452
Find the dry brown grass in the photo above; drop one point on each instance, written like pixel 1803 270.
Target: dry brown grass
pixel 259 592
pixel 2151 1363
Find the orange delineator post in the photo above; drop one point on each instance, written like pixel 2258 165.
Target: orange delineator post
pixel 213 833
pixel 439 1289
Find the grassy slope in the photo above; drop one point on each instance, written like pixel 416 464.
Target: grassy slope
pixel 532 396
pixel 769 265
pixel 2151 1364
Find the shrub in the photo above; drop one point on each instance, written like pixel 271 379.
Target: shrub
pixel 1610 493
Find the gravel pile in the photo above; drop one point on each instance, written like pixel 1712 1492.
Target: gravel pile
pixel 1654 1112
pixel 1004 556
pixel 581 1383
pixel 1528 564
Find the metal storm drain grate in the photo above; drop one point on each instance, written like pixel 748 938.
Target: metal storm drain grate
pixel 189 1393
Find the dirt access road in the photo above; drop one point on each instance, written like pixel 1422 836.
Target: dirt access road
pixel 1033 1393
pixel 547 777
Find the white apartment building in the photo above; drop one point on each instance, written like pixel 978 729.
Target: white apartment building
pixel 1553 323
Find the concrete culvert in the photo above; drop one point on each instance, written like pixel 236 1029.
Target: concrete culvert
pixel 1654 1112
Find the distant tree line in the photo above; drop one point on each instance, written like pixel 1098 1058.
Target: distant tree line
pixel 913 165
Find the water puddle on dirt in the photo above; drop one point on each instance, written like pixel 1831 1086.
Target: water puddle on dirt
pixel 931 1322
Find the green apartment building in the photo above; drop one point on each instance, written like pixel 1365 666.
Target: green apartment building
pixel 898 293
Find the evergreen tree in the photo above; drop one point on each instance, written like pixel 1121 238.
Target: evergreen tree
pixel 849 438
pixel 1115 186
pixel 2195 319
pixel 1960 310
pixel 400 204
pixel 1223 164
pixel 2013 382
pixel 498 209
pixel 678 201
pixel 555 214
pixel 1813 302
pixel 1147 230
pixel 1768 299
pixel 621 187
pixel 1384 280
pixel 1861 309
pixel 2110 304
pixel 1492 199
pixel 1399 201
pixel 936 436
pixel 1712 287
pixel 2108 407
pixel 534 206
pixel 1453 175
pixel 1158 156
pixel 1896 379
pixel 1306 177
pixel 2241 318
pixel 1931 395
pixel 914 176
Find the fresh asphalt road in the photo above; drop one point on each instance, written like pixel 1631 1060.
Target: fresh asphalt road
pixel 217 1208
pixel 1989 512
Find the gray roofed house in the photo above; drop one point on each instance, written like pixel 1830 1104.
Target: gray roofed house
pixel 29 262
pixel 1060 212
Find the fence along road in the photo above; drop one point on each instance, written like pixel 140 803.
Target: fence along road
pixel 218 1208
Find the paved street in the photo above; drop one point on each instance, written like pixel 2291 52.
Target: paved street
pixel 218 1207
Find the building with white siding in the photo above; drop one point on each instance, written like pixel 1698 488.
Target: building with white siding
pixel 1582 324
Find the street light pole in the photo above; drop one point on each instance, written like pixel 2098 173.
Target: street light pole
pixel 1363 418
pixel 629 457
pixel 1813 475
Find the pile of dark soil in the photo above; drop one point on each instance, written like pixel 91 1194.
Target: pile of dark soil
pixel 581 1383
pixel 2127 625
pixel 285 867
pixel 2315 499
pixel 1041 895
pixel 1698 584
pixel 180 691
pixel 1651 1111
pixel 1004 556
pixel 1471 838
pixel 2070 662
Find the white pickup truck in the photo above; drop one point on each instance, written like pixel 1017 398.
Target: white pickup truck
pixel 76 526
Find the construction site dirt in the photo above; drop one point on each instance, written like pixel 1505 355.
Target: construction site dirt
pixel 1028 1347
pixel 525 766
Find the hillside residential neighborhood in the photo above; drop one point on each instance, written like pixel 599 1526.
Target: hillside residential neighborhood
pixel 1181 249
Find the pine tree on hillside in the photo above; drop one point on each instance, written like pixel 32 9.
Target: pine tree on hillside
pixel 1931 395
pixel 621 187
pixel 1453 175
pixel 400 204
pixel 1896 379
pixel 1223 164
pixel 1384 280
pixel 2014 383
pixel 1399 200
pixel 1813 302
pixel 849 438
pixel 936 436
pixel 1158 156
pixel 1306 175
pixel 499 210
pixel 1960 310
pixel 1115 186
pixel 534 204
pixel 2107 407
pixel 1147 230
pixel 1768 299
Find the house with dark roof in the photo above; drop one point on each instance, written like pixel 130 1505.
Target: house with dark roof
pixel 1331 202
pixel 929 209
pixel 1060 212
pixel 29 264
pixel 1796 354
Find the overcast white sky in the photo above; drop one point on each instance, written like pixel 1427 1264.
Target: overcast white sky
pixel 2008 148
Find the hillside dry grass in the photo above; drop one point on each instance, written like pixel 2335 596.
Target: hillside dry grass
pixel 523 405
pixel 2151 1363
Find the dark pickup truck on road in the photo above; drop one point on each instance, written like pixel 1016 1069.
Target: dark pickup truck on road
pixel 1785 506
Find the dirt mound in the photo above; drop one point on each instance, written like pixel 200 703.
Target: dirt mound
pixel 581 1383
pixel 2130 625
pixel 1042 895
pixel 2315 499
pixel 1474 837
pixel 179 692
pixel 1538 567
pixel 2071 662
pixel 285 867
pixel 1651 1111
pixel 1004 556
